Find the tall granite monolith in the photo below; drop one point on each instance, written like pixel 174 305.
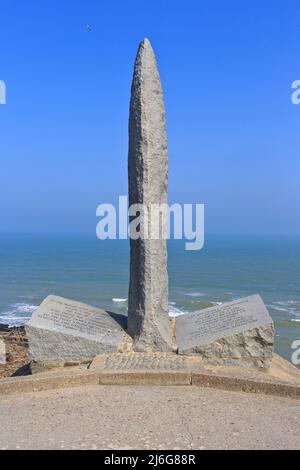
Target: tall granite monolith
pixel 148 320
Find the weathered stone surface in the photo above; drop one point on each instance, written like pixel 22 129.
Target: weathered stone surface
pixel 2 352
pixel 62 329
pixel 148 319
pixel 235 333
pixel 48 381
pixel 37 367
pixel 246 384
pixel 145 377
pixel 142 361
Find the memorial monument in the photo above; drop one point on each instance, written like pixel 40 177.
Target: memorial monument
pixel 148 318
pixel 236 333
pixel 66 330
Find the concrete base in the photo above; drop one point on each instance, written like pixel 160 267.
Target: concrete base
pixel 282 379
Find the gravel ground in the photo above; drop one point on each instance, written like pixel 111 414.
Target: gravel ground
pixel 137 417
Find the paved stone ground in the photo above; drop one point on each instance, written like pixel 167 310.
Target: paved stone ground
pixel 144 361
pixel 137 417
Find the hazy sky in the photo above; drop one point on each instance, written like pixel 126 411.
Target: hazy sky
pixel 226 68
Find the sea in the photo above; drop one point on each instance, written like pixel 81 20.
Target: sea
pixel 83 268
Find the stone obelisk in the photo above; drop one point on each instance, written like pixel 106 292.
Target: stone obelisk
pixel 148 319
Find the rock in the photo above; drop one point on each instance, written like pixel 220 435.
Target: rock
pixel 36 367
pixel 235 333
pixel 66 330
pixel 148 319
pixel 252 348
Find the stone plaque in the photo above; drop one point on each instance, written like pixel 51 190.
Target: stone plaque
pixel 235 330
pixel 62 329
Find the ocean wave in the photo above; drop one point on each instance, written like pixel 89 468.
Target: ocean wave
pixel 285 306
pixel 18 314
pixel 24 307
pixel 279 309
pixel 117 300
pixel 10 318
pixel 195 294
pixel 288 302
pixel 175 311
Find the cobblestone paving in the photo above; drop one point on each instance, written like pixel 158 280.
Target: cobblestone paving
pixel 142 361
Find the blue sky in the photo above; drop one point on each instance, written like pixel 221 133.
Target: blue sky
pixel 226 68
